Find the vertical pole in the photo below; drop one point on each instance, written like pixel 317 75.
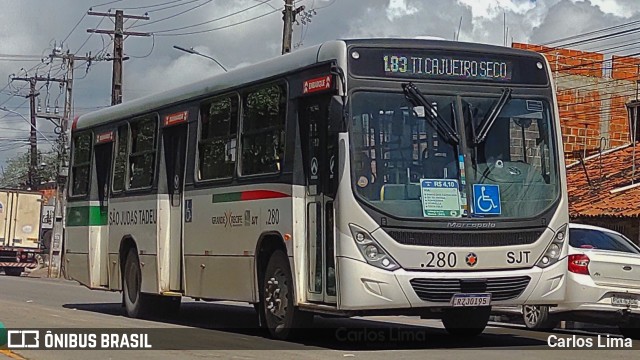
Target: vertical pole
pixel 33 140
pixel 56 251
pixel 116 83
pixel 287 31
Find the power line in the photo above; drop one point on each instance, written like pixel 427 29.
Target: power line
pixel 107 3
pixel 615 27
pixel 153 45
pixel 221 27
pixel 152 6
pixel 213 20
pixel 174 15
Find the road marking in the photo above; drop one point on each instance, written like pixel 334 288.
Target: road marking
pixel 12 355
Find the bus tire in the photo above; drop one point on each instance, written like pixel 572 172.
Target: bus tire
pixel 277 299
pixel 136 303
pixel 13 271
pixel 466 322
pixel 537 317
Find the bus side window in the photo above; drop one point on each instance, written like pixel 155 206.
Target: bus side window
pixel 142 158
pixel 120 165
pixel 80 170
pixel 217 140
pixel 263 130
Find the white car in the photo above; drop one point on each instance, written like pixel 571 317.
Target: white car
pixel 603 283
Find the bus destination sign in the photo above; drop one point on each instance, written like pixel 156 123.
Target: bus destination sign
pixel 463 68
pixel 447 65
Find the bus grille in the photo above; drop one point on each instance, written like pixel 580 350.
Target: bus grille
pixel 465 239
pixel 441 290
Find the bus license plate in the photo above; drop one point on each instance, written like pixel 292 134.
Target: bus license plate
pixel 624 301
pixel 471 300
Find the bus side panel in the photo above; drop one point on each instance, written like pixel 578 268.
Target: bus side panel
pixel 77 242
pixel 114 272
pixel 300 267
pixel 221 277
pixel 165 253
pixel 136 217
pixel 221 239
pixel 96 251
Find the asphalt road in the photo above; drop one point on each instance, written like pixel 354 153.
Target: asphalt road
pixel 227 330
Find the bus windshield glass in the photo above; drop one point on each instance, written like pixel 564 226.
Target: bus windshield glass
pixel 405 166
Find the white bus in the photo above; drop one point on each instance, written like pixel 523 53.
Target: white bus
pixel 359 177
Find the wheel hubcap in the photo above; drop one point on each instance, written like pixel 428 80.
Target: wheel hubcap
pixel 532 314
pixel 276 295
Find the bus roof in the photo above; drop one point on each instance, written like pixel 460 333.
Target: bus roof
pixel 334 49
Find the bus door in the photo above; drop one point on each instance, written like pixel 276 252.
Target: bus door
pixel 103 153
pixel 320 168
pixel 175 145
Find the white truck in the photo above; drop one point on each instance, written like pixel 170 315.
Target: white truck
pixel 20 217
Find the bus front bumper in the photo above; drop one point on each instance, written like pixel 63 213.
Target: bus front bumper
pixel 371 288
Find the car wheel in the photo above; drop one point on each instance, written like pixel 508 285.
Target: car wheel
pixel 466 322
pixel 280 314
pixel 537 317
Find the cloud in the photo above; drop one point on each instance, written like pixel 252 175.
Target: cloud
pixel 27 27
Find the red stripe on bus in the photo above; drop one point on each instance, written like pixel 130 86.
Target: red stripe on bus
pixel 261 195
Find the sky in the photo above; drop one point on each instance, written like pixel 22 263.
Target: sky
pixel 241 32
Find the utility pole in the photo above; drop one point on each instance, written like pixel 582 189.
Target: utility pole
pixel 118 45
pixel 56 263
pixel 34 179
pixel 289 17
pixel 33 139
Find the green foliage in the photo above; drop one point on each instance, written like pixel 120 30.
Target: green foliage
pixel 15 172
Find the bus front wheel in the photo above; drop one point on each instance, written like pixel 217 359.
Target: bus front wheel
pixel 466 322
pixel 280 314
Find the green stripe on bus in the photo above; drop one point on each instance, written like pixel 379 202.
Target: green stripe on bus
pixel 228 197
pixel 87 216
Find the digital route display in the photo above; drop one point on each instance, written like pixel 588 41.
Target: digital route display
pixel 446 65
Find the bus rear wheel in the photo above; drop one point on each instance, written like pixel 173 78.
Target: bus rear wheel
pixel 136 303
pixel 280 314
pixel 466 322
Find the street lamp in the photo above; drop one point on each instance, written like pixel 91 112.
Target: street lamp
pixel 192 51
pixel 28 122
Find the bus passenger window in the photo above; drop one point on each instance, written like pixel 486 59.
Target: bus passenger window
pixel 120 166
pixel 81 164
pixel 263 130
pixel 143 152
pixel 217 142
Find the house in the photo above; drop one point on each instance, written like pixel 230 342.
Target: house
pixel 604 190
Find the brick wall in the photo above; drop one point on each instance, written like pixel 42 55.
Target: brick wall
pixel 592 93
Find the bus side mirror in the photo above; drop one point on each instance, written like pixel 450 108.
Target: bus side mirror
pixel 336 115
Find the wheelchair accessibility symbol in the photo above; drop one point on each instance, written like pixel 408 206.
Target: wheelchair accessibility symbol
pixel 486 199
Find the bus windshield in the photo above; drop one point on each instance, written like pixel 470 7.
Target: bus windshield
pixel 406 167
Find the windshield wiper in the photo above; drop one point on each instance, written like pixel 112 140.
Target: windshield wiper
pixel 415 97
pixel 486 125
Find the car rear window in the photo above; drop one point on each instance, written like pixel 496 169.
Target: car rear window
pixel 594 239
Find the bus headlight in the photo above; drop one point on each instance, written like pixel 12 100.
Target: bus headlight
pixel 371 250
pixel 554 250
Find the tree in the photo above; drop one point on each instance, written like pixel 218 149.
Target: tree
pixel 15 173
